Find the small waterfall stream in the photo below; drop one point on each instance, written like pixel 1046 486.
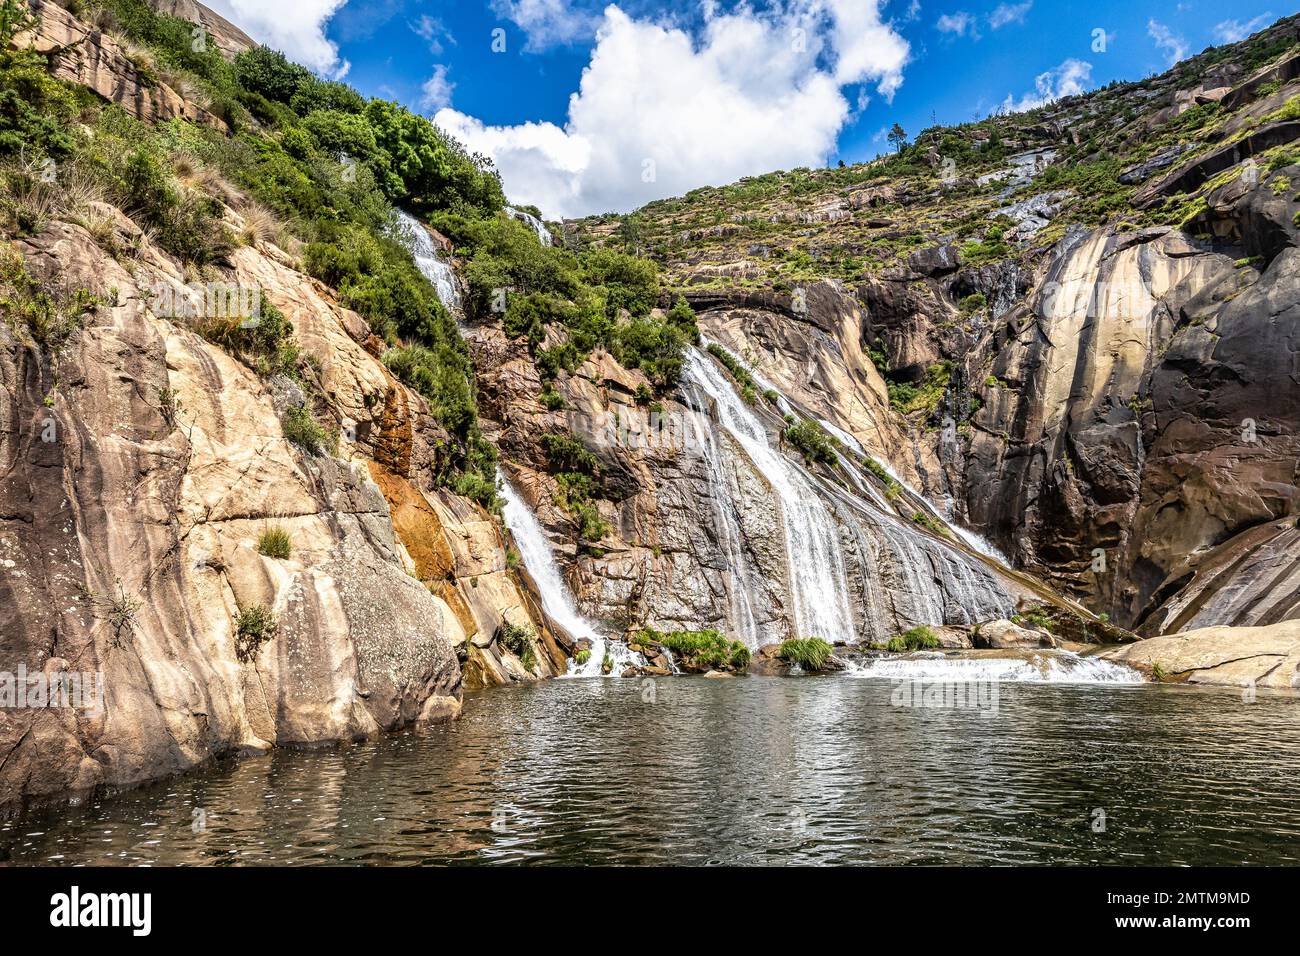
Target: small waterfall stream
pixel 532 222
pixel 557 601
pixel 435 269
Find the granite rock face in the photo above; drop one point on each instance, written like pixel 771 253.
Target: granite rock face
pixel 80 53
pixel 141 464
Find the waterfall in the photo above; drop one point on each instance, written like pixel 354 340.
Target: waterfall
pixel 557 601
pixel 533 223
pixel 430 265
pixel 818 587
pixel 730 540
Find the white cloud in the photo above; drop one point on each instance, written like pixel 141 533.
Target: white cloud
pixel 1069 79
pixel 294 27
pixel 1234 31
pixel 1007 13
pixel 660 112
pixel 1175 46
pixel 957 23
pixel 432 31
pixel 547 23
pixel 436 92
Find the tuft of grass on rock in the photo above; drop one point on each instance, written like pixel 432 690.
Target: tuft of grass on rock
pixel 810 653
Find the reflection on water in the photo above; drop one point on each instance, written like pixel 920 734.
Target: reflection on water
pixel 743 771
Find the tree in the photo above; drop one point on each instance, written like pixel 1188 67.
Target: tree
pixel 266 71
pixel 897 137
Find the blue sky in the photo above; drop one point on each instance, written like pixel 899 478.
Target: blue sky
pixel 589 106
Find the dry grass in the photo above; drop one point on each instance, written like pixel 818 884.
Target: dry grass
pixel 30 193
pixel 259 226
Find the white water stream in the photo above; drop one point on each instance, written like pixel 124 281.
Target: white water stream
pixel 1051 667
pixel 557 600
pixel 533 223
pixel 430 264
pixel 818 586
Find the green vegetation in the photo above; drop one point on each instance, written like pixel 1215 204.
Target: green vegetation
pixel 301 428
pixel 577 473
pixel 907 398
pixel 812 441
pixel 48 315
pixel 274 543
pixel 700 650
pixel 892 488
pixel 582 656
pixel 1036 618
pixel 253 627
pixel 521 641
pixel 307 163
pixel 810 653
pixel 917 639
pixel 748 387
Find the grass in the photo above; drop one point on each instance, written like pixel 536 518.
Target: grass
pixel 582 657
pixel 810 653
pixel 698 649
pixel 301 428
pixel 917 639
pixel 812 441
pixel 274 543
pixel 520 640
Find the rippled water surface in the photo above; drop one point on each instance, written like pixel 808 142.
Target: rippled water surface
pixel 744 771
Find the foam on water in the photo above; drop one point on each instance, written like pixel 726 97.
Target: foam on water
pixel 1048 667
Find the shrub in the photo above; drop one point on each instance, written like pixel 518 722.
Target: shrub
pixel 582 657
pixel 973 303
pixel 274 543
pixel 519 639
pixel 253 627
pixel 811 653
pixel 812 441
pixel 301 428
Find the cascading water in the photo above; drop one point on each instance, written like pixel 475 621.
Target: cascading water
pixel 817 580
pixel 1051 667
pixel 533 223
pixel 430 265
pixel 850 549
pixel 557 601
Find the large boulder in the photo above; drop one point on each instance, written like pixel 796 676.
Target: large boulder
pixel 1232 656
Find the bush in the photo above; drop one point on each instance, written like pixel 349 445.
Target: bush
pixel 301 428
pixel 917 639
pixel 520 640
pixel 253 627
pixel 811 653
pixel 186 223
pixel 812 441
pixel 274 543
